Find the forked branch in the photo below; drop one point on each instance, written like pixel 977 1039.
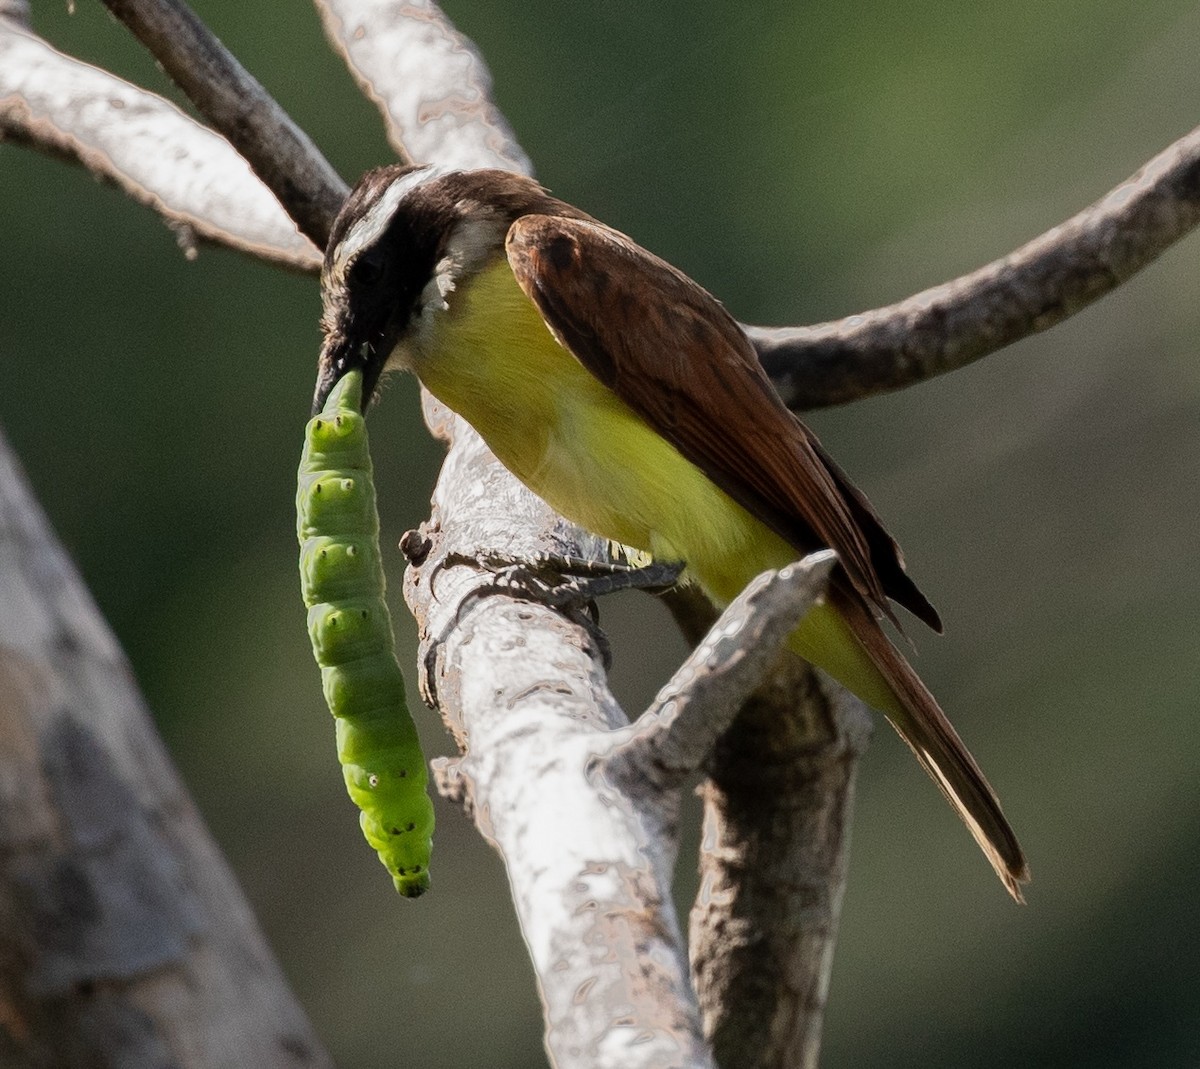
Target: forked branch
pixel 581 806
pixel 226 94
pixel 675 738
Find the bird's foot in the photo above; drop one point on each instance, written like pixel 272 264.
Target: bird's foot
pixel 564 582
pixel 569 584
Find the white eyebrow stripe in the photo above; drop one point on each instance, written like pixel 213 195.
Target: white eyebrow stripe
pixel 367 230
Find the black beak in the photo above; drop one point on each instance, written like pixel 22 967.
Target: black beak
pixel 331 366
pixel 339 355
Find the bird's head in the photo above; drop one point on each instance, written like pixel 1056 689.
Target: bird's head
pixel 403 241
pixel 379 259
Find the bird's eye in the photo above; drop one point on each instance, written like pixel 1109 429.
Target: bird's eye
pixel 367 270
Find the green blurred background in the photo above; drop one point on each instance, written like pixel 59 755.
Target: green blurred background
pixel 803 161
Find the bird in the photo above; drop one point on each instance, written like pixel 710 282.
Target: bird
pixel 624 394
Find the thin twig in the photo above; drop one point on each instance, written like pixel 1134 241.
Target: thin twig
pixel 1040 284
pixel 280 153
pixel 676 736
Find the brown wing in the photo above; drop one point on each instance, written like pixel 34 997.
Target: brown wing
pixel 680 361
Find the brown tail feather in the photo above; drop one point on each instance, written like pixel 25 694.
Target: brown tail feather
pixel 921 723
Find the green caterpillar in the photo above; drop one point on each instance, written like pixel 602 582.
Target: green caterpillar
pixel 341 577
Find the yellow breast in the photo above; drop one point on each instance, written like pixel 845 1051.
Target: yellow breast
pixel 492 360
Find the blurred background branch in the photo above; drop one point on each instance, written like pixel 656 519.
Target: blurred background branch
pixel 126 936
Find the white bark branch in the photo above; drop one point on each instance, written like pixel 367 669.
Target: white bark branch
pixel 581 806
pixel 677 735
pixel 431 86
pixel 523 691
pixel 145 146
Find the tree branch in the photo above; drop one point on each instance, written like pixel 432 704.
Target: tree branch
pixel 146 147
pixel 777 814
pixel 590 872
pixel 429 82
pixel 1040 284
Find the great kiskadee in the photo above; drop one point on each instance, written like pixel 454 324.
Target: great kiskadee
pixel 625 396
